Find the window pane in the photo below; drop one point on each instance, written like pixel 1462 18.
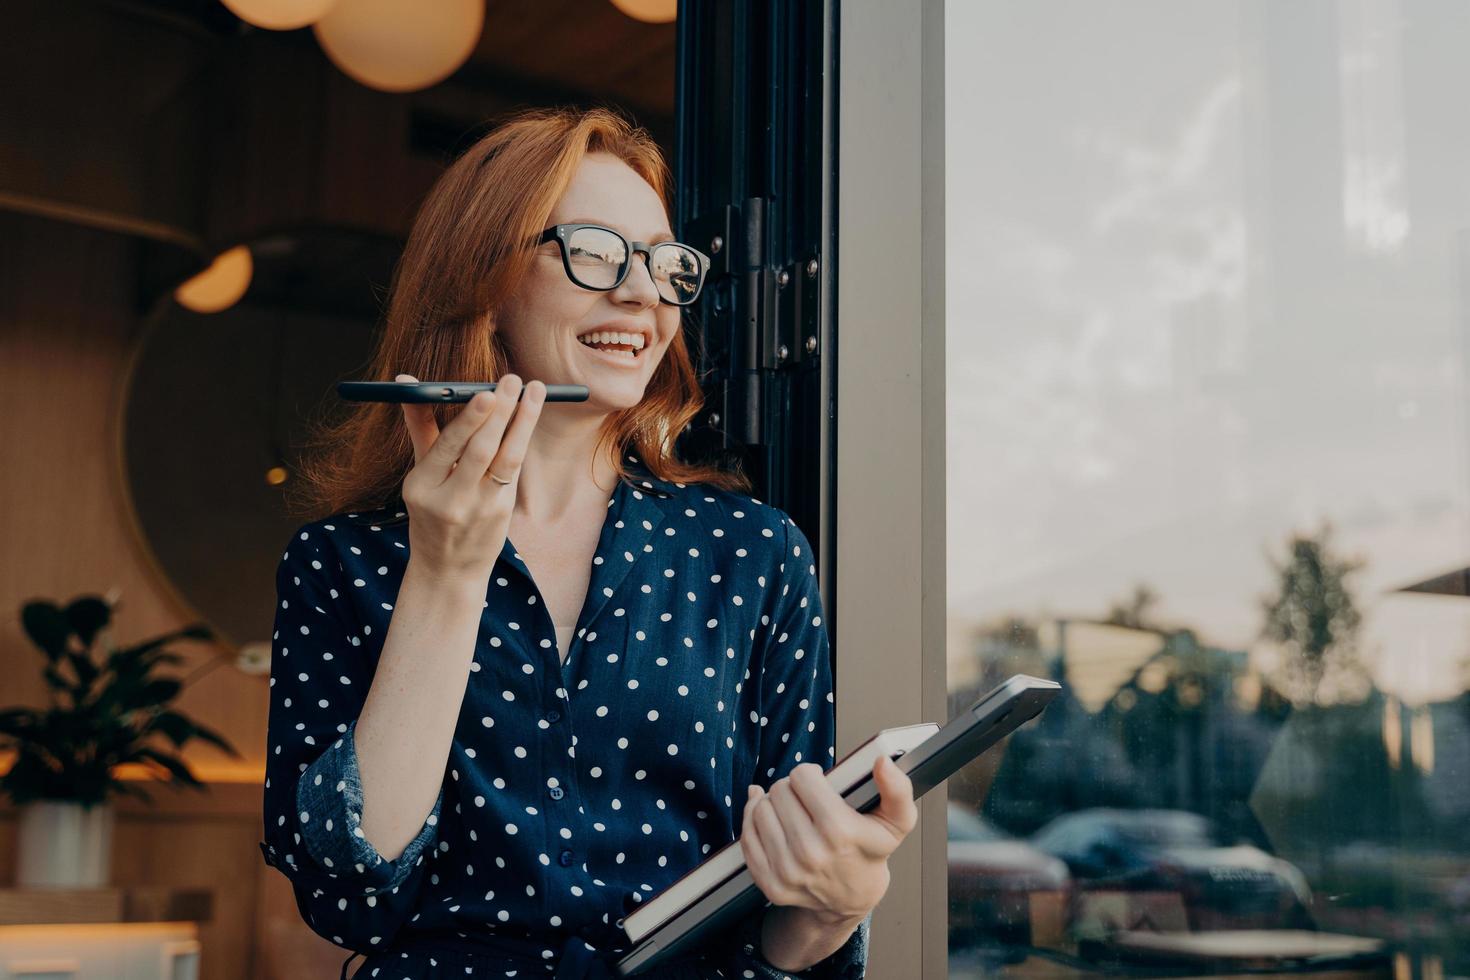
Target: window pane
pixel 1208 275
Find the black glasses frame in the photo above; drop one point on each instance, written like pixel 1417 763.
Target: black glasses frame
pixel 561 234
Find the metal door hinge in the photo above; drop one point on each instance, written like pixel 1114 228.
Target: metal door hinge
pixel 792 338
pixel 782 302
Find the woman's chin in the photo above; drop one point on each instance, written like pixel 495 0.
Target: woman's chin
pixel 616 386
pixel 611 394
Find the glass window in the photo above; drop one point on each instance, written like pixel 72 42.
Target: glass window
pixel 1208 294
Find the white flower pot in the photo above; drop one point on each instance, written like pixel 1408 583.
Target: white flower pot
pixel 63 844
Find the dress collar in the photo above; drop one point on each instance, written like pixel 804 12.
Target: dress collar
pixel 642 479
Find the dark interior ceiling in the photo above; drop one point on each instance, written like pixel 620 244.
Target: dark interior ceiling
pixel 535 52
pixel 550 49
pixel 585 45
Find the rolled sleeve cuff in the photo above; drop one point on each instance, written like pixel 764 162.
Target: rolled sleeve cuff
pixel 329 821
pixel 847 962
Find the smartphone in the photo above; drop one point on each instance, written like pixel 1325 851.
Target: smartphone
pixel 441 391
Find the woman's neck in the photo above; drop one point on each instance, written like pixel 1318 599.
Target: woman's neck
pixel 554 485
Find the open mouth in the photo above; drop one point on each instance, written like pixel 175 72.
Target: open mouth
pixel 621 353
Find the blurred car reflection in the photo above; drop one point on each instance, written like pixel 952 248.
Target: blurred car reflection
pixel 992 877
pixel 1222 884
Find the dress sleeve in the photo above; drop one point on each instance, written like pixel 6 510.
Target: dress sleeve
pixel 320 673
pixel 848 962
pixel 797 724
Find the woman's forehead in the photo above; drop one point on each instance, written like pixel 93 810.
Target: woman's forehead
pixel 606 191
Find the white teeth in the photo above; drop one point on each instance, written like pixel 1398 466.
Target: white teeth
pixel 635 340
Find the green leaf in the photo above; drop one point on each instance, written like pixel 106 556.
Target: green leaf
pixel 215 738
pixel 19 722
pixel 54 679
pixel 196 631
pixel 85 670
pixel 156 657
pixel 113 739
pixel 31 777
pixel 114 697
pixel 175 726
pixel 69 751
pixel 122 660
pixel 47 627
pixel 159 691
pixel 179 729
pixel 87 616
pixel 171 764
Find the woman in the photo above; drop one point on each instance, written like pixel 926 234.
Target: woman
pixel 512 703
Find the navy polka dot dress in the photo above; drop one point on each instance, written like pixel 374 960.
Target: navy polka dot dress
pixel 573 791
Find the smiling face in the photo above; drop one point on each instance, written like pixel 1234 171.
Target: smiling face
pixel 541 323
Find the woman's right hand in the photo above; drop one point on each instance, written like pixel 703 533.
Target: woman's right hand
pixel 458 516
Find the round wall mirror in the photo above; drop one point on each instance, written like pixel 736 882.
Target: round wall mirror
pixel 215 408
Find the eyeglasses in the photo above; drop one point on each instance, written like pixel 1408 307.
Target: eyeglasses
pixel 599 258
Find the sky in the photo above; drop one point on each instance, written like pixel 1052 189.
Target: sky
pixel 1208 267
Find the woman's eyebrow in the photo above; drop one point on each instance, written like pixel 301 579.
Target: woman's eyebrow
pixel 663 236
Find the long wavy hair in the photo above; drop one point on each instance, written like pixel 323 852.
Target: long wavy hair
pixel 469 249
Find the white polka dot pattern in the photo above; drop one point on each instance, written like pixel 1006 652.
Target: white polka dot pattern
pixel 573 791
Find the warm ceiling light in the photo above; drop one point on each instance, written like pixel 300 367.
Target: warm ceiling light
pixel 220 286
pixel 398 45
pixel 279 15
pixel 649 11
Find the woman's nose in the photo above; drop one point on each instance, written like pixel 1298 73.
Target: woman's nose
pixel 647 271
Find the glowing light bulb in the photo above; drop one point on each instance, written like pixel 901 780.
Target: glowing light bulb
pixel 649 11
pixel 220 286
pixel 398 46
pixel 279 15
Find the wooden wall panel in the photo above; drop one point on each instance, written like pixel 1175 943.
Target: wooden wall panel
pixel 208 841
pixel 211 851
pixel 118 145
pixel 67 321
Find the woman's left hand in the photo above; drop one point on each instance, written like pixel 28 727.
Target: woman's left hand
pixel 807 847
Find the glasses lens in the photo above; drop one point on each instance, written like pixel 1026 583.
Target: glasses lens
pixel 596 257
pixel 676 272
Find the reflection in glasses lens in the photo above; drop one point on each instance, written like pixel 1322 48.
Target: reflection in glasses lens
pixel 598 257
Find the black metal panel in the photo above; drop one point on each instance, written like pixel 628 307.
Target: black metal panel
pixel 750 140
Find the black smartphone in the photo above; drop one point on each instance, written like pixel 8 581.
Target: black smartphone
pixel 441 391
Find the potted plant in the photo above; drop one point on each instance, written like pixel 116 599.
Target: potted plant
pixel 105 710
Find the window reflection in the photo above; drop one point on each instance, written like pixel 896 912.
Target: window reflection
pixel 1208 291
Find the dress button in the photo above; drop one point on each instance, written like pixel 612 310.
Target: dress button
pixel 557 792
pixel 619 923
pixel 565 858
pixel 553 716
